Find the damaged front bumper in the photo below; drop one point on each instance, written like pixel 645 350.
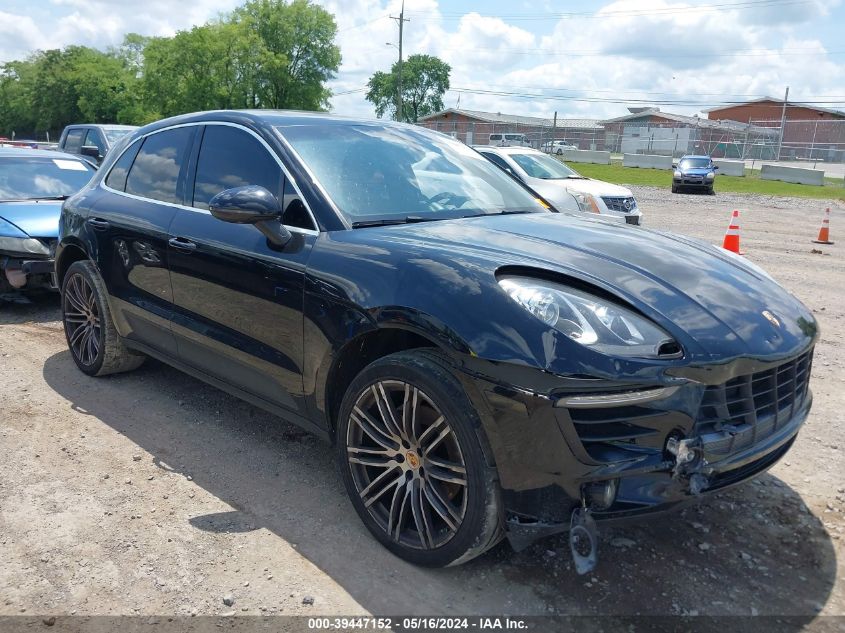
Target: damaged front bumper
pixel 18 273
pixel 615 450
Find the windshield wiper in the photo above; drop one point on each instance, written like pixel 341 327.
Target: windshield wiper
pixel 36 198
pixel 505 212
pixel 411 219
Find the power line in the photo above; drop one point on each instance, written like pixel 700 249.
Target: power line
pixel 588 99
pixel 705 8
pixel 740 52
pixel 360 24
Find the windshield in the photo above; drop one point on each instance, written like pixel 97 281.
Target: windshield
pixel 30 177
pixel 542 166
pixel 113 134
pixel 374 171
pixel 695 163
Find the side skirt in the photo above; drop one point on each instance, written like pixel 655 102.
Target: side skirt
pixel 285 414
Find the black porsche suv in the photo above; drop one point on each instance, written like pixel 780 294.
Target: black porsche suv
pixel 485 367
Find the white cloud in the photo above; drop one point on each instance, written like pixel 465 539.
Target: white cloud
pixel 631 50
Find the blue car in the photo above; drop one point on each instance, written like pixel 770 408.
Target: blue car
pixel 33 185
pixel 694 172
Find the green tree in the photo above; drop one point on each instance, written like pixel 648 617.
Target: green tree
pixel 425 79
pixel 297 53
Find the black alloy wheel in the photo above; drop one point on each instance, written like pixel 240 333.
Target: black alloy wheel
pixel 81 320
pixel 410 448
pixel 94 342
pixel 407 465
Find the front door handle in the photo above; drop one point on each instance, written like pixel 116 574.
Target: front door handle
pixel 98 224
pixel 182 245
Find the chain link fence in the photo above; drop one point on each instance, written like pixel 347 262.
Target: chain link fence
pixel 821 140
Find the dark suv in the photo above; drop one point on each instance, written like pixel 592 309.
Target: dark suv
pixel 484 366
pixel 694 172
pixel 92 140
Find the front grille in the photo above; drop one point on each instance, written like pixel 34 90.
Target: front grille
pixel 620 204
pixel 752 407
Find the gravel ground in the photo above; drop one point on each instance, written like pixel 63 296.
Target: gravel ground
pixel 152 493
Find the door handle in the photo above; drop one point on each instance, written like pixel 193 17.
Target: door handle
pixel 181 244
pixel 98 224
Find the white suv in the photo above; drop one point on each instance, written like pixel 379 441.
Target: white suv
pixel 509 140
pixel 560 185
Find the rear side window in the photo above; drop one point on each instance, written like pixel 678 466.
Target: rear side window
pixel 155 172
pixel 73 140
pixel 117 176
pixel 229 158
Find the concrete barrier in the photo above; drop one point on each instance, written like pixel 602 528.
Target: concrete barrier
pixel 586 156
pixel 729 167
pixel 652 161
pixel 792 174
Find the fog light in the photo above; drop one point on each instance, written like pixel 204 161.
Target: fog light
pixel 600 495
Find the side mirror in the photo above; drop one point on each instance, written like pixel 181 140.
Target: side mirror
pixel 251 205
pixel 90 150
pixel 715 167
pixel 674 165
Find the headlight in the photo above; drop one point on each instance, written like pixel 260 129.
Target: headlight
pixel 677 174
pixel 711 175
pixel 592 321
pixel 586 202
pixel 23 246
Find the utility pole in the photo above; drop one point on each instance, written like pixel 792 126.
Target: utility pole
pixel 401 20
pixel 782 122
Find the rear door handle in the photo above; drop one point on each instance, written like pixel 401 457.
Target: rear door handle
pixel 181 244
pixel 98 224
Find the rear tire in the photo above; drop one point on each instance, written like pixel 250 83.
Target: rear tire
pixel 409 445
pixel 96 347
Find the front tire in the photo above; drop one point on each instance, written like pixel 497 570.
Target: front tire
pixel 96 347
pixel 674 188
pixel 409 445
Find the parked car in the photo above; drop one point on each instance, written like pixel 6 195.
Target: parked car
pixel 554 181
pixel 557 147
pixel 92 140
pixel 485 367
pixel 509 140
pixel 694 172
pixel 33 184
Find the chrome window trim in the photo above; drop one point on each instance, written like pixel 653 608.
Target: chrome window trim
pixel 267 147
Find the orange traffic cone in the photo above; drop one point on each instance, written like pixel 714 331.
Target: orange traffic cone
pixel 731 242
pixel 824 232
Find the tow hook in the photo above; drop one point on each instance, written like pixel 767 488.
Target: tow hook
pixel 583 539
pixel 689 463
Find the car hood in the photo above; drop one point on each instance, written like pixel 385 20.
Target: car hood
pixel 595 187
pixel 36 218
pixel 713 302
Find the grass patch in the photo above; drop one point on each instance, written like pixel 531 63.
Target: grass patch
pixel 750 183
